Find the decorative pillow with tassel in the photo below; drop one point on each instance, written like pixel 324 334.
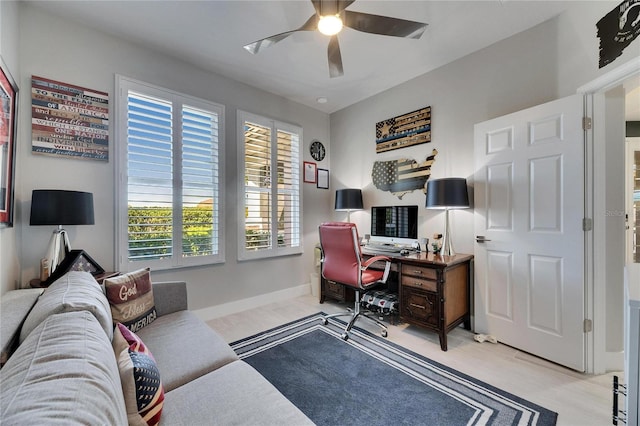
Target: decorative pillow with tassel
pixel 140 377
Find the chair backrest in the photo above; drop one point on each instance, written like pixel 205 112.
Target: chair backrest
pixel 342 259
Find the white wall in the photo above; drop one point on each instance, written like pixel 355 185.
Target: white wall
pixel 546 62
pixel 54 48
pixel 9 263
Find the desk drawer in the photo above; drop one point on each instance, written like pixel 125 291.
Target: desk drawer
pixel 419 271
pixel 420 306
pixel 421 283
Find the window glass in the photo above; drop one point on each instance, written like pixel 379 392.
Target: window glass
pixel 169 197
pixel 270 168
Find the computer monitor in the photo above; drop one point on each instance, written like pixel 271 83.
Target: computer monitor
pixel 394 224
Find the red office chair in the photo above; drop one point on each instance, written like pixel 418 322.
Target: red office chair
pixel 342 263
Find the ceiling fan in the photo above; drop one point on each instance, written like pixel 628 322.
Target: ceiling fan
pixel 331 17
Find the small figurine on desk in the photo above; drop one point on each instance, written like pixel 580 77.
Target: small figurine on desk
pixel 437 243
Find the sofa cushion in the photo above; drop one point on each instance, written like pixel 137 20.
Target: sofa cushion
pixel 14 308
pixel 63 373
pixel 74 291
pixel 235 394
pixel 185 348
pixel 140 377
pixel 131 299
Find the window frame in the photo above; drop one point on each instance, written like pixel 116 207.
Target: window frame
pixel 176 260
pixel 275 126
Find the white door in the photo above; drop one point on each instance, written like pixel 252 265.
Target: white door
pixel 529 251
pixel 633 209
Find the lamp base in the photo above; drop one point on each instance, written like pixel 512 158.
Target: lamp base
pixel 58 248
pixel 447 246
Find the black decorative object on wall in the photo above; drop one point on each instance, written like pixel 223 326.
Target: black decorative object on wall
pixel 317 150
pixel 617 30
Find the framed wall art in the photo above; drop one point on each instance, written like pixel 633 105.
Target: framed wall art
pixel 412 128
pixel 309 172
pixel 8 129
pixel 323 179
pixel 69 121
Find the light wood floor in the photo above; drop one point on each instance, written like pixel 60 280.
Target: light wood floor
pixel 579 399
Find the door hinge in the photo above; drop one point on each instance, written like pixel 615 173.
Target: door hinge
pixel 587 224
pixel 586 123
pixel 587 326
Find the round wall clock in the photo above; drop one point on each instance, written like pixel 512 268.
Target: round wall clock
pixel 317 150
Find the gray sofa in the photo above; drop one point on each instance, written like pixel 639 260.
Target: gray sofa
pixel 62 368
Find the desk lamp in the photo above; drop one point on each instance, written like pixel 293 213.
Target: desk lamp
pixel 57 208
pixel 348 199
pixel 447 194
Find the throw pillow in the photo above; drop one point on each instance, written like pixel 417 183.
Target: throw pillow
pixel 131 299
pixel 140 378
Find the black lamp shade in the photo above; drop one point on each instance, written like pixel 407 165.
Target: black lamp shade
pixel 448 193
pixel 348 199
pixel 59 207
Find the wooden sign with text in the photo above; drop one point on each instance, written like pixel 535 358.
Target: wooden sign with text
pixel 68 120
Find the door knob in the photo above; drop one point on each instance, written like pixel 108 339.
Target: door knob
pixel 481 239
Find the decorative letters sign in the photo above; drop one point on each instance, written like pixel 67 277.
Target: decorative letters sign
pixel 618 29
pixel 402 176
pixel 69 120
pixel 404 130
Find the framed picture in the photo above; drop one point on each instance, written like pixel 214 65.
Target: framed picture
pixel 309 172
pixel 75 260
pixel 8 128
pixel 405 130
pixel 323 179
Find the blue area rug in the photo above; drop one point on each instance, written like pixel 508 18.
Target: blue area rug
pixel 368 380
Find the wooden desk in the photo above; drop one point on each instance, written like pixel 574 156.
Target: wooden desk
pixel 434 290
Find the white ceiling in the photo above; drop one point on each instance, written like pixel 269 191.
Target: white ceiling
pixel 210 35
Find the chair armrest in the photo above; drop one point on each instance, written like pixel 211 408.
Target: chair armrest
pixel 387 266
pixel 170 297
pixel 373 259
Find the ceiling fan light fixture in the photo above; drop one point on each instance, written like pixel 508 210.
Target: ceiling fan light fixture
pixel 330 25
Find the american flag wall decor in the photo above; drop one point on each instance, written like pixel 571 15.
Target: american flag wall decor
pixel 408 129
pixel 402 176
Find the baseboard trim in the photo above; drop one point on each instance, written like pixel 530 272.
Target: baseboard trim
pixel 236 306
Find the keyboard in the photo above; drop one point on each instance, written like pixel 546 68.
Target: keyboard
pixel 384 248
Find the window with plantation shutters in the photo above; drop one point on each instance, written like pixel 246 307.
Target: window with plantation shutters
pixel 169 197
pixel 269 166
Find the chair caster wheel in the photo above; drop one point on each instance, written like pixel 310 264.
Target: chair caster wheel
pixel 345 336
pixel 384 333
pixel 324 321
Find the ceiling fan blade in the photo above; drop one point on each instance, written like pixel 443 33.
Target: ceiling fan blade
pixel 330 7
pixel 335 59
pixel 383 25
pixel 257 46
